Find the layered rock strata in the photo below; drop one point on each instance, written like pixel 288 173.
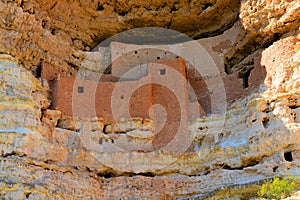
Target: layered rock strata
pixel 35 31
pixel 257 139
pixel 56 36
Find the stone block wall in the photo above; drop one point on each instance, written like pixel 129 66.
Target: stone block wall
pixel 236 85
pixel 77 97
pixel 126 57
pixel 116 100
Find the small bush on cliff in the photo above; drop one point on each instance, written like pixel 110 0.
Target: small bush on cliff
pixel 278 188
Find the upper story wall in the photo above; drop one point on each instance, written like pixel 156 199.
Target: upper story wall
pixel 134 58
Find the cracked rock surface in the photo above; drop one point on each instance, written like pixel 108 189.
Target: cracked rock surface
pixel 44 156
pixel 258 140
pixel 34 31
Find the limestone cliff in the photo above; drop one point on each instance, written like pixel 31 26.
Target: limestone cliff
pixel 47 155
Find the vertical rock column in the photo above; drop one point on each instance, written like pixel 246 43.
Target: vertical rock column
pixel 19 111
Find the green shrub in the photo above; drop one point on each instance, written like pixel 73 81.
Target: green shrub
pixel 278 188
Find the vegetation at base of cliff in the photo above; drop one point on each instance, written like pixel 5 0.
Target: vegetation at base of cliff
pixel 278 187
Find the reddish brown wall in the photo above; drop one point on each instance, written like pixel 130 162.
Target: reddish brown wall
pixel 136 57
pixel 136 104
pixel 176 107
pixel 97 97
pixel 233 84
pixel 174 63
pixel 162 93
pixel 94 76
pixel 257 75
pixel 48 72
pixel 62 94
pixel 139 102
pixel 199 88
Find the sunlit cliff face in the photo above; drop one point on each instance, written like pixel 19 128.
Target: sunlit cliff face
pixel 46 154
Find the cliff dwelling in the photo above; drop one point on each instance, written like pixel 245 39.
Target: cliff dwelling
pixel 140 82
pixel 145 67
pixel 103 99
pixel 80 93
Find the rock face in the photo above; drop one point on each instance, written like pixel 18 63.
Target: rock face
pixel 56 30
pixel 262 23
pixel 228 151
pixel 47 155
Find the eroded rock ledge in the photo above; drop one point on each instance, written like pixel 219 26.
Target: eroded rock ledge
pixel 259 139
pixel 34 31
pixel 262 23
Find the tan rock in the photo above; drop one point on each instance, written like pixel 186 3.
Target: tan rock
pixel 57 30
pixel 126 126
pixel 51 116
pixel 68 123
pixel 263 22
pixel 19 108
pixel 140 134
pixel 257 138
pixel 39 96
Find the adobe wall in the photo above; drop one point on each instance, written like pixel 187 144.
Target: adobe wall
pixel 89 93
pixel 127 56
pixel 125 104
pixel 174 63
pixel 169 79
pixel 147 95
pixel 195 111
pixel 169 90
pixel 62 94
pixel 48 72
pixel 258 74
pixel 199 88
pixel 234 85
pixel 95 76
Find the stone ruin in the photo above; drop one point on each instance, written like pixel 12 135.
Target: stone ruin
pixel 127 65
pixel 118 90
pixel 239 155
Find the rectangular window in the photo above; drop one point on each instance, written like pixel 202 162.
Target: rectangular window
pixel 80 89
pixel 162 71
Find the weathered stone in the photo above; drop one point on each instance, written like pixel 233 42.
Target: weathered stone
pixel 69 123
pixel 56 30
pixel 51 116
pixel 262 23
pixel 19 110
pixel 256 139
pixel 17 194
pixel 126 126
pixel 141 134
pixel 75 124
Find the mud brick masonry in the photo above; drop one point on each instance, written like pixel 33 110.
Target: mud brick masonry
pixel 152 89
pixel 155 75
